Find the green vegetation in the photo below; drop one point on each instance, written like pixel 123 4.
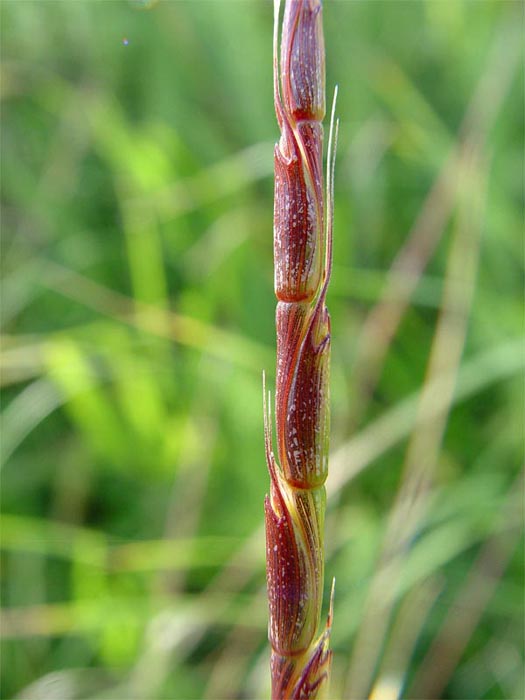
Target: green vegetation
pixel 138 314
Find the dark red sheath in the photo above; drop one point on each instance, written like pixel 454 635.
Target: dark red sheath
pixel 294 510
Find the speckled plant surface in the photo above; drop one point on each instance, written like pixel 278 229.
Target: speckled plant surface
pixel 300 662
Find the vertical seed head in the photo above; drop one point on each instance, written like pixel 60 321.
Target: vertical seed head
pixel 294 511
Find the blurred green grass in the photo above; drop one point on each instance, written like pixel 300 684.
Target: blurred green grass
pixel 138 312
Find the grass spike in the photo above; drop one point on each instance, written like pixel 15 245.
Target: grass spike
pixel 303 218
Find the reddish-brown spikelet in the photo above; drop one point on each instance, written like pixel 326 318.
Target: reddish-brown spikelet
pixel 303 417
pixel 302 60
pixel 294 511
pixel 300 107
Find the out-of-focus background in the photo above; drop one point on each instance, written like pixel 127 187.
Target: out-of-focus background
pixel 138 315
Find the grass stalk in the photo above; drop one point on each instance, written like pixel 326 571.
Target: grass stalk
pixel 294 510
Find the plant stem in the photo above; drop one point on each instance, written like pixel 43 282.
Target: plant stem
pixel 294 511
